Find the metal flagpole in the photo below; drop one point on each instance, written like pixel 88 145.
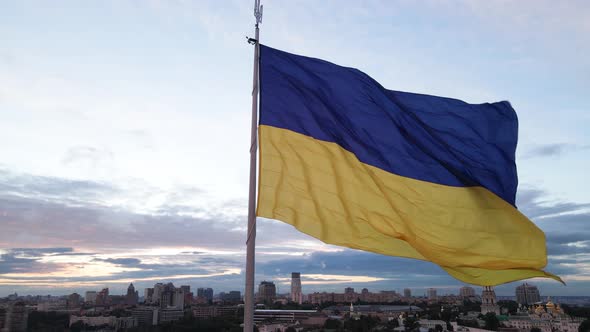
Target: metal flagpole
pixel 251 237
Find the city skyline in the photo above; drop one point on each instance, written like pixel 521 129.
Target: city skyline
pixel 125 140
pixel 465 291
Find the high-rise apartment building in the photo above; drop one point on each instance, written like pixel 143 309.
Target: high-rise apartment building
pixel 231 297
pixel 206 293
pixel 267 292
pixel 186 289
pixel 488 301
pixel 467 292
pixel 527 294
pixel 102 298
pixel 132 296
pixel 296 295
pixel 158 289
pixel 407 293
pixel 73 301
pixel 90 297
pixel 431 294
pixel 148 295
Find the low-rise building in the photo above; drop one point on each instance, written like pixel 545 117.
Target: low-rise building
pixel 214 311
pixel 170 315
pixel 145 315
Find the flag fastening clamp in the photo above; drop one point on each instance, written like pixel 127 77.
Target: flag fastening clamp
pixel 251 41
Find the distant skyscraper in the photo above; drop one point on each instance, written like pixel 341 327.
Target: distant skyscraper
pixel 527 294
pixel 148 295
pixel 296 295
pixel 178 298
pixel 431 293
pixel 488 301
pixel 232 296
pixel 90 297
pixel 206 293
pixel 132 297
pixel 102 298
pixel 467 292
pixel 267 292
pixel 186 289
pixel 407 292
pixel 73 301
pixel 158 289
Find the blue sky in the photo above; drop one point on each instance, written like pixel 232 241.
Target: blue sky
pixel 124 133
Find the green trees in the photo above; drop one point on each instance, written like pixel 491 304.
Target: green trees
pixel 585 326
pixel 511 306
pixel 332 324
pixel 492 322
pixel 411 324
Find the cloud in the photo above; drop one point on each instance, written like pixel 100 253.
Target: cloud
pixel 121 261
pixel 150 247
pixel 555 149
pixel 534 204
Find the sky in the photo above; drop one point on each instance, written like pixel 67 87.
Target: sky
pixel 124 134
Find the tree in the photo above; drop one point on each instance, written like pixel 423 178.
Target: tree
pixel 438 328
pixel 411 324
pixel 492 322
pixel 585 326
pixel 535 329
pixel 290 329
pixel 511 306
pixel 332 324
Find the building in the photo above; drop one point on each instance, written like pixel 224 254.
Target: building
pixel 231 297
pixel 296 295
pixel 186 288
pixel 16 317
pixel 215 311
pixel 118 323
pixel 488 301
pixel 132 296
pixel 188 295
pixel 170 315
pixel 73 301
pixel 467 293
pixel 351 296
pixel 145 315
pixel 287 316
pixel 267 292
pixel 527 294
pixel 148 295
pixel 407 293
pixel 431 324
pixel 431 293
pixel 90 297
pixel 170 296
pixel 158 289
pixel 206 293
pixel 102 298
pixel 552 319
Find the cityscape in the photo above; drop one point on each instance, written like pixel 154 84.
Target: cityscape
pixel 165 307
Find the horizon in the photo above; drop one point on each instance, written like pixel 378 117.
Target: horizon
pixel 125 134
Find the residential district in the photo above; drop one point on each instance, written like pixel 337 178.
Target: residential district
pixel 165 307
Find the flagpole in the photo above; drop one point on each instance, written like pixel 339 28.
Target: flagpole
pixel 251 236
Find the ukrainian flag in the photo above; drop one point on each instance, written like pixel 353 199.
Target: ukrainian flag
pixel 401 174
